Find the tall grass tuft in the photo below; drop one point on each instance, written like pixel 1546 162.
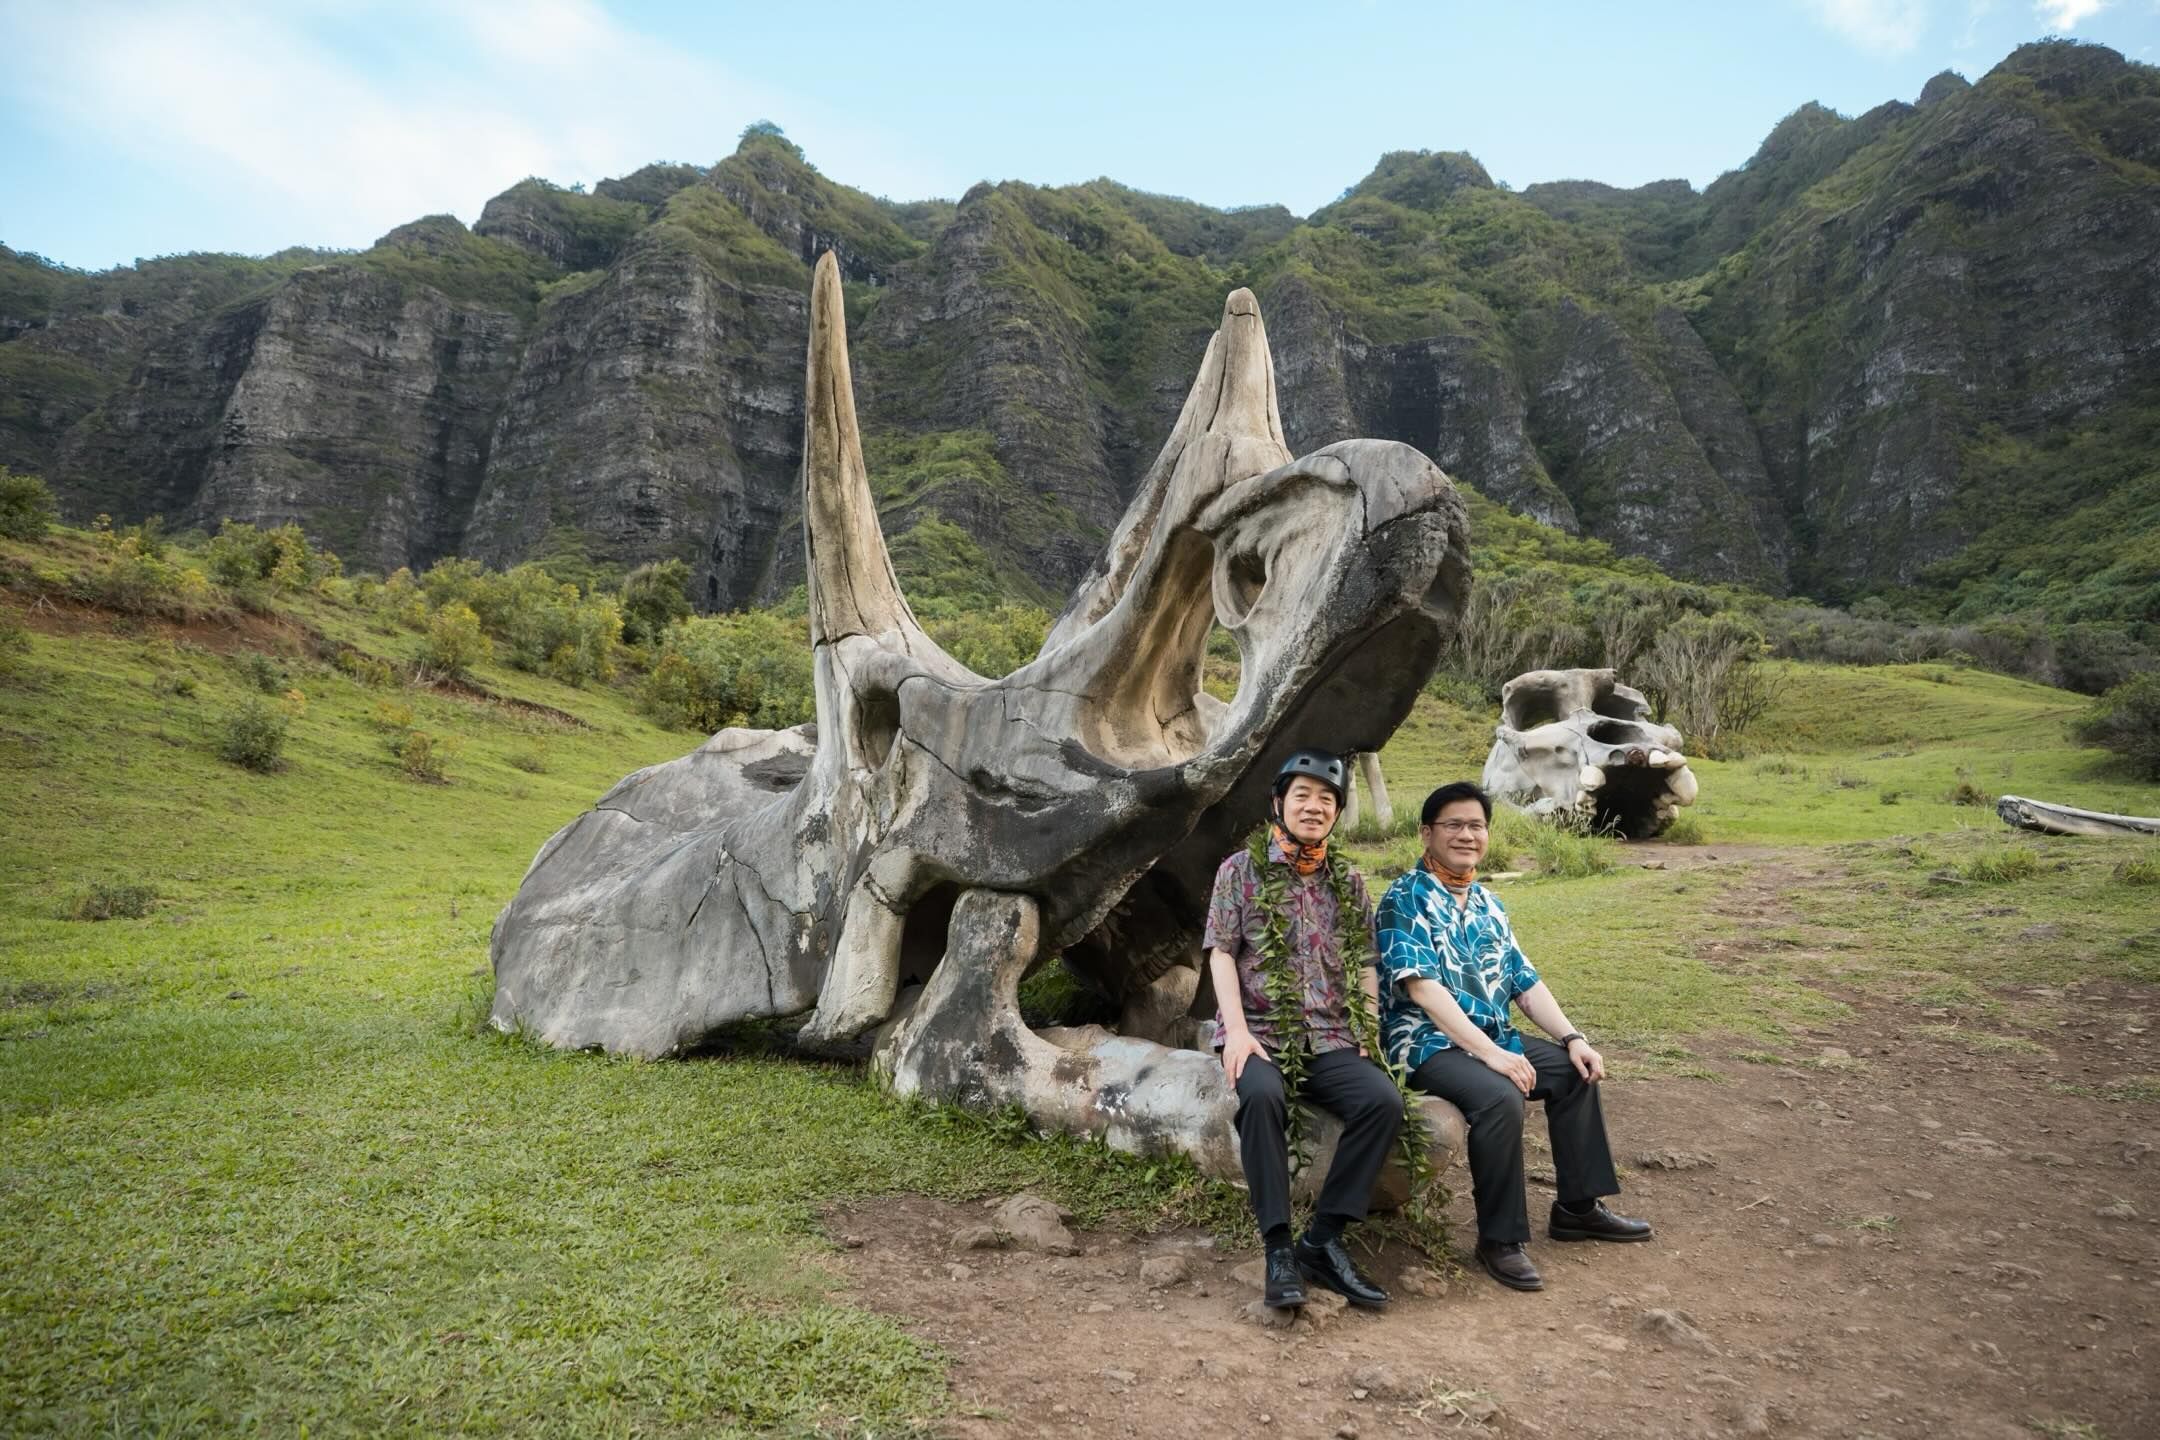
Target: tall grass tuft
pixel 2002 865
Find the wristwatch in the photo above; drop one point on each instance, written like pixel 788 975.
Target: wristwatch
pixel 1571 1037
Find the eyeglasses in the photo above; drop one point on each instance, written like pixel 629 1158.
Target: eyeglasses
pixel 1460 827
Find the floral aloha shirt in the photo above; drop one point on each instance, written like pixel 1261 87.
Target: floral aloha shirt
pixel 1467 945
pixel 1233 924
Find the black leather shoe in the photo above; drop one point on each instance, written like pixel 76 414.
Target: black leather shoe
pixel 1331 1265
pixel 1285 1287
pixel 1506 1263
pixel 1599 1224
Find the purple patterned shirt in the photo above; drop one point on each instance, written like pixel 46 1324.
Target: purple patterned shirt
pixel 1233 924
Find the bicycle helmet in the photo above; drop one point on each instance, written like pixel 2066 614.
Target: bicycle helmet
pixel 1318 765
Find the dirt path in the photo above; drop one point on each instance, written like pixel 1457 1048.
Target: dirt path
pixel 1905 1236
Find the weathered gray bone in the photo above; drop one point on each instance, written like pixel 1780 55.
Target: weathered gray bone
pixel 899 865
pixel 1578 742
pixel 2039 815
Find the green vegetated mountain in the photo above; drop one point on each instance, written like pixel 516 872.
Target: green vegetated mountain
pixel 1915 352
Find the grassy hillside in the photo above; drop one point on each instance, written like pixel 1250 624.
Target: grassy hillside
pixel 262 1170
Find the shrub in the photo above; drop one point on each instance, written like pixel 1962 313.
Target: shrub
pixel 247 560
pixel 2126 720
pixel 653 597
pixel 454 641
pixel 175 683
pixel 103 901
pixel 1889 797
pixel 2144 870
pixel 365 668
pixel 263 673
pixel 720 670
pixel 2002 865
pixel 994 642
pixel 27 510
pixel 1687 829
pixel 1697 671
pixel 391 715
pixel 253 736
pixel 422 756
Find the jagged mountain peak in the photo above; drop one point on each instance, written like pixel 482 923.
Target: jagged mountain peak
pixel 1793 376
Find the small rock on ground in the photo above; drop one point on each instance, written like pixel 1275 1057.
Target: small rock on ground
pixel 1160 1272
pixel 1675 1327
pixel 1669 1159
pixel 1033 1223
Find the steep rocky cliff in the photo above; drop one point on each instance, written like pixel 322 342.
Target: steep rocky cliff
pixel 1806 376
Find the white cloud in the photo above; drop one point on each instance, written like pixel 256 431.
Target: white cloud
pixel 1880 27
pixel 348 117
pixel 1975 12
pixel 2062 16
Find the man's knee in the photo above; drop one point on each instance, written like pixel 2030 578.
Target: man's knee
pixel 1260 1094
pixel 1503 1111
pixel 1381 1101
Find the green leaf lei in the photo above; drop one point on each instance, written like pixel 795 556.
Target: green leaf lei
pixel 1286 999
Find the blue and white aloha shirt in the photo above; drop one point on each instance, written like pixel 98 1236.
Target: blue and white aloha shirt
pixel 1466 945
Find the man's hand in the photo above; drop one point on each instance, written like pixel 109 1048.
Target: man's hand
pixel 1236 1050
pixel 1514 1066
pixel 1588 1063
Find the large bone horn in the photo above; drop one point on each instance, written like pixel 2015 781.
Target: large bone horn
pixel 853 590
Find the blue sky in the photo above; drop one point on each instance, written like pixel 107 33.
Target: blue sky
pixel 161 126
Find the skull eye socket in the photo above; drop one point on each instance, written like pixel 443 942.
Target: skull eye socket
pixel 1245 577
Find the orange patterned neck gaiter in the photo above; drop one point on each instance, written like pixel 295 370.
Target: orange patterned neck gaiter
pixel 1457 880
pixel 1303 858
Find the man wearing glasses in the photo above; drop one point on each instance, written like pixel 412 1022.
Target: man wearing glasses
pixel 1449 969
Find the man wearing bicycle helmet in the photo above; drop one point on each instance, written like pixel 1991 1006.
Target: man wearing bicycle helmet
pixel 1276 930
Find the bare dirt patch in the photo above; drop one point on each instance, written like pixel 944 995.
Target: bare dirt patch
pixel 1900 1229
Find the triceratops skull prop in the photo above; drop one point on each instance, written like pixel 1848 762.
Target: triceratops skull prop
pixel 1579 742
pixel 938 830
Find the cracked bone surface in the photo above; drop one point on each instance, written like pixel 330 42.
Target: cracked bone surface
pixel 1579 742
pixel 894 869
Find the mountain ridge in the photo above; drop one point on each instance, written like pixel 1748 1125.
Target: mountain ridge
pixel 1789 379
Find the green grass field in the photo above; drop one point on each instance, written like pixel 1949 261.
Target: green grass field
pixel 261 1171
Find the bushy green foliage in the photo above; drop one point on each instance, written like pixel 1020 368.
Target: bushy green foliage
pixel 422 756
pixel 542 624
pixel 133 574
pixel 653 597
pixel 247 560
pixel 364 667
pixel 253 736
pixel 2141 870
pixel 114 900
pixel 27 509
pixel 2126 720
pixel 264 673
pixel 996 641
pixel 455 642
pixel 715 671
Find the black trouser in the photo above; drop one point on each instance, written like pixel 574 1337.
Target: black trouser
pixel 1347 1086
pixel 1582 1160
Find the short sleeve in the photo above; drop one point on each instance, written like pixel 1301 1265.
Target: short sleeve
pixel 1521 974
pixel 1405 949
pixel 1226 910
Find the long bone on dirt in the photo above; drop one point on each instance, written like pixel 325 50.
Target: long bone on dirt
pixel 893 869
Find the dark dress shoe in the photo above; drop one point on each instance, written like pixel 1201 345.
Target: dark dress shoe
pixel 1285 1287
pixel 1331 1265
pixel 1506 1263
pixel 1599 1224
